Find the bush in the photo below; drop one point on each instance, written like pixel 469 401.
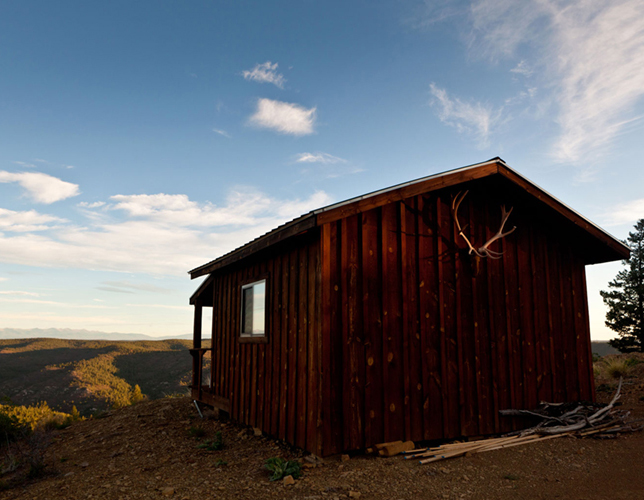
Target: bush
pixel 281 468
pixel 31 417
pixel 617 367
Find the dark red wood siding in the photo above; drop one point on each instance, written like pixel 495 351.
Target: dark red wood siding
pixel 421 340
pixel 273 385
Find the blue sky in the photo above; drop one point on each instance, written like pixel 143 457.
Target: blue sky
pixel 139 140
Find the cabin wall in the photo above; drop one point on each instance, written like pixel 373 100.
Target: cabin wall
pixel 423 341
pixel 274 386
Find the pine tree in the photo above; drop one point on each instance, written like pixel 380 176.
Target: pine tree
pixel 626 299
pixel 137 395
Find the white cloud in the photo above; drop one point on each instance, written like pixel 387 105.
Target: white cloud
pixel 53 303
pixel 19 292
pixel 265 73
pixel 26 221
pixel 318 158
pixel 221 132
pixel 96 204
pixel 284 117
pixel 25 164
pixel 145 287
pixel 42 188
pixel 522 69
pixel 473 118
pixel 156 234
pixel 591 52
pixel 626 213
pixel 161 306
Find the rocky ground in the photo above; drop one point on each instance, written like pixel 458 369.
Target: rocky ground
pixel 148 451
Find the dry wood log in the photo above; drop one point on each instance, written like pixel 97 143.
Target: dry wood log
pixel 396 448
pixel 380 446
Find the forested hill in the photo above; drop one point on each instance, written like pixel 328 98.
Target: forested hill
pixel 91 375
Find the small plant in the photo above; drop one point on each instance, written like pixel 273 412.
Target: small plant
pixel 219 463
pixel 214 444
pixel 618 367
pixel 281 468
pixel 596 357
pixel 197 432
pixel 511 477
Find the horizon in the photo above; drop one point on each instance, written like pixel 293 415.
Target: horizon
pixel 143 140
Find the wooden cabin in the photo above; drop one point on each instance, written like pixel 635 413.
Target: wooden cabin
pixel 408 313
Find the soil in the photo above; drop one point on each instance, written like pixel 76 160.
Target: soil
pixel 148 451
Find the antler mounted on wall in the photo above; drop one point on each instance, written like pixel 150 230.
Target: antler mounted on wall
pixel 483 251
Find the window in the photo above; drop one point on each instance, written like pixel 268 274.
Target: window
pixel 253 309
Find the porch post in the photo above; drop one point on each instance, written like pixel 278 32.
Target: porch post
pixel 196 341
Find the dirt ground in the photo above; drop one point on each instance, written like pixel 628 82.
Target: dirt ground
pixel 147 451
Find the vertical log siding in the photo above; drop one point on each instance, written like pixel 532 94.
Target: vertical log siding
pixel 440 340
pixel 381 326
pixel 273 385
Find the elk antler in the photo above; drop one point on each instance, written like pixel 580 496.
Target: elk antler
pixel 483 251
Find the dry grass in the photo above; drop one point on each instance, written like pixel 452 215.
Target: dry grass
pixel 612 367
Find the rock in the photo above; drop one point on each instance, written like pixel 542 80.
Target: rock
pixel 344 458
pixel 167 492
pixel 288 480
pixel 257 432
pixel 84 464
pixel 354 494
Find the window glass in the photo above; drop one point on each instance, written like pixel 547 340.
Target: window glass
pixel 253 313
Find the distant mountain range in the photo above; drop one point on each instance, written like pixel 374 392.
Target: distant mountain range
pixel 69 333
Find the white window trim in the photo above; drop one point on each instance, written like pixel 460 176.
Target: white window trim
pixel 241 312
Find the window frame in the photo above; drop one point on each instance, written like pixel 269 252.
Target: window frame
pixel 257 338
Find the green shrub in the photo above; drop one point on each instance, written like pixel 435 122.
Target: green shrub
pixel 30 417
pixel 214 444
pixel 281 468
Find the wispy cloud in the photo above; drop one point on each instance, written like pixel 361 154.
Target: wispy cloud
pixel 113 289
pixel 161 306
pixel 323 165
pixel 144 287
pixel 95 204
pixel 158 234
pixel 221 132
pixel 318 158
pixel 265 73
pixel 625 213
pixel 467 117
pixel 592 53
pixel 26 221
pixel 42 188
pixel 283 117
pixel 19 292
pixel 522 69
pixel 25 164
